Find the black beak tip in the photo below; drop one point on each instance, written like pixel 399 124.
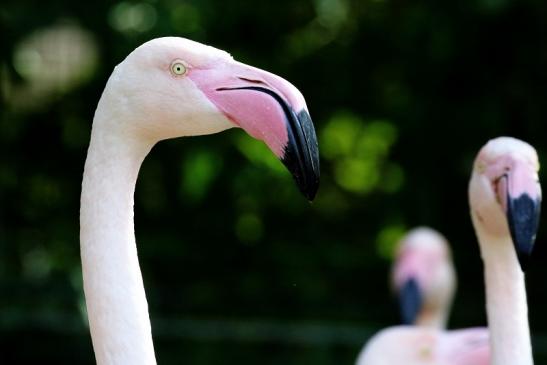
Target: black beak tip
pixel 524 261
pixel 301 155
pixel 312 193
pixel 523 218
pixel 310 187
pixel 410 301
pixel 523 247
pixel 307 182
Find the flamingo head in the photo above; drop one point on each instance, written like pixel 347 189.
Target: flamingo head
pixel 172 87
pixel 423 277
pixel 505 194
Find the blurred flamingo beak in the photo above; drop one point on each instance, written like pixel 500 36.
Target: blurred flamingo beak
pixel 270 109
pixel 410 301
pixel 409 273
pixel 519 192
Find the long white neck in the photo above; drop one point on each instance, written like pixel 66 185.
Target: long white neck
pixel 114 291
pixel 505 302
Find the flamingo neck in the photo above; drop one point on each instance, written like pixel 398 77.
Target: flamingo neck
pixel 505 302
pixel 114 290
pixel 432 318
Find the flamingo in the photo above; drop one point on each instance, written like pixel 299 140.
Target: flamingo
pixel 168 87
pixel 424 278
pixel 504 197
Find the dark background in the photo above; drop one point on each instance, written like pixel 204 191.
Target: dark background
pixel 238 267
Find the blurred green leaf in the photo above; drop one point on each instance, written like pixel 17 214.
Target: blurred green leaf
pixel 200 168
pixel 387 239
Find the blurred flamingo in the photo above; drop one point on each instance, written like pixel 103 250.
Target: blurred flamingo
pixel 423 278
pixel 505 197
pixel 166 88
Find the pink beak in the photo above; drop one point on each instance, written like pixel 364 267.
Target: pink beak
pixel 519 192
pixel 270 109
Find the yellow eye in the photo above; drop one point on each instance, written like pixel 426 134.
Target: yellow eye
pixel 178 68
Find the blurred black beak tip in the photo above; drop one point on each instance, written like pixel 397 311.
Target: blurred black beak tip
pixel 410 301
pixel 523 218
pixel 302 153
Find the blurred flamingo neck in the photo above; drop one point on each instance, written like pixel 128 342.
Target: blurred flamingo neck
pixel 114 291
pixel 432 318
pixel 505 302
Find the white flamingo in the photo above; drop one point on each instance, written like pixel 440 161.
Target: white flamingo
pixel 168 87
pixel 504 196
pixel 424 278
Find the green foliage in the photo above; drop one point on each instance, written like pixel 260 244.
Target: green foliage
pixel 359 151
pixel 258 153
pixel 199 170
pixel 387 239
pixel 249 228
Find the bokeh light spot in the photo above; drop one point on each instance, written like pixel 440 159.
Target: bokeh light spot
pixel 126 17
pixel 358 151
pixel 52 60
pixel 185 18
pixel 249 228
pixel 387 238
pixel 200 168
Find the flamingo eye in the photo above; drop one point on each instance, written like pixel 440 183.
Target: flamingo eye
pixel 178 68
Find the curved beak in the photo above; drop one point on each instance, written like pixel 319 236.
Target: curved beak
pixel 520 195
pixel 410 301
pixel 270 109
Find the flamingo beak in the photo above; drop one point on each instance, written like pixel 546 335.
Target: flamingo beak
pixel 409 272
pixel 410 301
pixel 270 109
pixel 520 195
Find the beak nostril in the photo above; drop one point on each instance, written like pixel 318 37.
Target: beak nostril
pixel 253 81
